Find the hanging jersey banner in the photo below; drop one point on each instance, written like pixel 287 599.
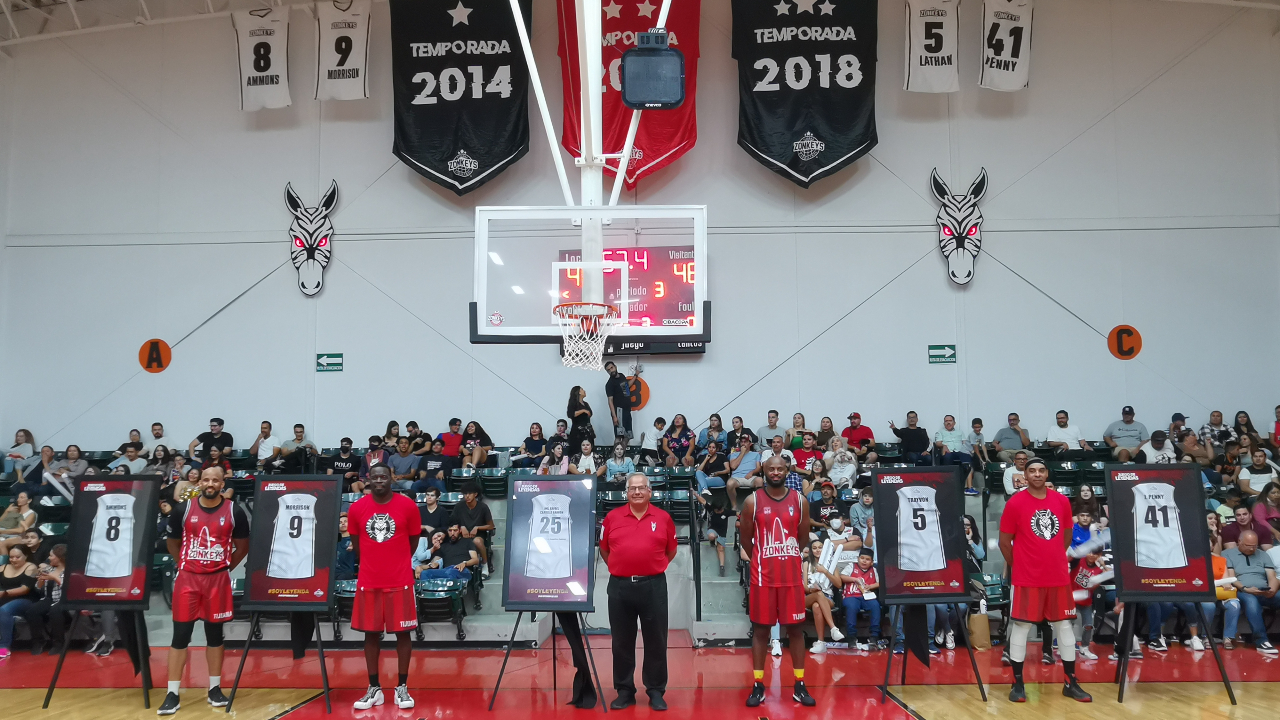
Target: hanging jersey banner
pixel 262 41
pixel 461 89
pixel 806 84
pixel 1160 546
pixel 663 135
pixel 291 543
pixel 550 544
pixel 920 544
pixel 931 46
pixel 342 56
pixel 111 543
pixel 1006 44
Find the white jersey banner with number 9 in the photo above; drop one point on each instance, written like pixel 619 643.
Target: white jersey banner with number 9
pixel 262 40
pixel 293 544
pixel 342 55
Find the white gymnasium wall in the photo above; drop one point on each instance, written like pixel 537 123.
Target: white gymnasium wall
pixel 1135 182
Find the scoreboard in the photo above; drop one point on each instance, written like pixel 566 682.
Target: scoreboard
pixel 660 278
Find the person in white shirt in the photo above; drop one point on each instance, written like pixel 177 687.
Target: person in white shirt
pixel 1066 441
pixel 157 438
pixel 842 462
pixel 1256 476
pixel 1014 479
pixel 266 447
pixel 775 448
pixel 1157 451
pixel 949 443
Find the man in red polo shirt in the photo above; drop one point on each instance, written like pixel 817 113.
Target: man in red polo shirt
pixel 861 440
pixel 384 529
pixel 637 542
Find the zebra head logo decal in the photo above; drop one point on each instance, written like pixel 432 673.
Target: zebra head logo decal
pixel 311 237
pixel 960 226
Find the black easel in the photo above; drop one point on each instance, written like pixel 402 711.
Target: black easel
pixel 582 622
pixel 144 655
pixel 895 616
pixel 248 641
pixel 1124 642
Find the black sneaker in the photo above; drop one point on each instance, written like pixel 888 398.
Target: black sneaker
pixel 217 699
pixel 1018 693
pixel 170 705
pixel 1005 658
pixel 1046 658
pixel 1159 645
pixel 801 695
pixel 721 571
pixel 1073 690
pixel 757 695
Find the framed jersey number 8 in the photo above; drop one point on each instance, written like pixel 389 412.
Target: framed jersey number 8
pixel 113 529
pixel 262 57
pixel 996 44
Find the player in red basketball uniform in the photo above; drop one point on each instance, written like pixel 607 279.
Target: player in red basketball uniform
pixel 1035 532
pixel 384 529
pixel 209 535
pixel 773 521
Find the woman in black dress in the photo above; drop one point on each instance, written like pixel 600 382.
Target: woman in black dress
pixel 580 417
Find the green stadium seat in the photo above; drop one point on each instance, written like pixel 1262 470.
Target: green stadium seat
pixel 54 529
pixel 1064 474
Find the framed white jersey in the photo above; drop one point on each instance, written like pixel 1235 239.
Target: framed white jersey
pixel 293 544
pixel 342 49
pixel 550 552
pixel 111 542
pixel 932 46
pixel 919 532
pixel 262 42
pixel 1157 528
pixel 1006 44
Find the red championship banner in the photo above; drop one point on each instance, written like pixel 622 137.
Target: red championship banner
pixel 293 543
pixel 1159 539
pixel 112 541
pixel 664 135
pixel 919 539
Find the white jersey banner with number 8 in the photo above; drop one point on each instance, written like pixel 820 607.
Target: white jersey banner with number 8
pixel 111 542
pixel 342 56
pixel 262 39
pixel 1006 44
pixel 931 46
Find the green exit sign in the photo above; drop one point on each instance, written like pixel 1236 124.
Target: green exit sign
pixel 328 362
pixel 942 354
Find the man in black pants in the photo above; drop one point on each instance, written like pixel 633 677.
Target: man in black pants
pixel 638 542
pixel 618 390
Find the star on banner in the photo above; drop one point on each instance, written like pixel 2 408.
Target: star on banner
pixel 459 14
pixel 645 9
pixel 826 7
pixel 805 6
pixel 612 10
pixel 782 7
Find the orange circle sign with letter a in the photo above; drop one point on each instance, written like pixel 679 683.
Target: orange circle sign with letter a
pixel 1124 342
pixel 154 355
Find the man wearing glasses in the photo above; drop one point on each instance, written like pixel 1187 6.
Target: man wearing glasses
pixel 215 437
pixel 637 542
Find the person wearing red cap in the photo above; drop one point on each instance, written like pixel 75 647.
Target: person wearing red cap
pixel 860 438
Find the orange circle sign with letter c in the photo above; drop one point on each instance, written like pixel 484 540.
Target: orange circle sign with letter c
pixel 154 355
pixel 1124 342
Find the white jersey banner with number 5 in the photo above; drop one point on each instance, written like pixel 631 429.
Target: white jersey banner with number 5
pixel 262 39
pixel 293 544
pixel 931 46
pixel 919 533
pixel 550 551
pixel 111 543
pixel 342 56
pixel 1006 44
pixel 1157 529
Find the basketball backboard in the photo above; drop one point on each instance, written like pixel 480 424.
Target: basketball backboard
pixel 530 259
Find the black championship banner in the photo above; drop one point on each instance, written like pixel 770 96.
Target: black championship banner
pixel 461 89
pixel 551 544
pixel 806 84
pixel 293 543
pixel 1159 540
pixel 111 543
pixel 920 543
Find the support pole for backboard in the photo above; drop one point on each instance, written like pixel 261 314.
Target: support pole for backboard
pixel 592 161
pixel 536 80
pixel 624 159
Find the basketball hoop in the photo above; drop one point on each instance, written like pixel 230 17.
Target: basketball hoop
pixel 585 326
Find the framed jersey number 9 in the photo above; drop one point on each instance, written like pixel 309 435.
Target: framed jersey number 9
pixel 295 527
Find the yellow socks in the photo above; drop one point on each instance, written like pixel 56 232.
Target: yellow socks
pixel 799 672
pixel 759 675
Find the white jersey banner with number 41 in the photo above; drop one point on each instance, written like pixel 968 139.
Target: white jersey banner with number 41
pixel 1006 44
pixel 262 39
pixel 342 58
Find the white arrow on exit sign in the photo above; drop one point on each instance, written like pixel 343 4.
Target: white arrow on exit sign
pixel 942 354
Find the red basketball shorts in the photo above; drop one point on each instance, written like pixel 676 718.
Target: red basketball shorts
pixel 392 610
pixel 770 605
pixel 202 596
pixel 1042 604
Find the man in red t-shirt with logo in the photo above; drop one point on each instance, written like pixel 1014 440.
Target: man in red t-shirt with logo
pixel 771 524
pixel 862 441
pixel 1035 532
pixel 806 454
pixel 384 529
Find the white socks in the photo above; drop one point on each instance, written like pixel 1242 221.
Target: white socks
pixel 175 686
pixel 215 681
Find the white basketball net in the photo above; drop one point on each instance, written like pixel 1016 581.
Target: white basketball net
pixel 585 327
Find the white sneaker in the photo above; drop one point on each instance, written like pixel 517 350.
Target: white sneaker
pixel 951 640
pixel 1197 644
pixel 404 700
pixel 864 647
pixel 775 648
pixel 372 696
pixel 836 634
pixel 937 638
pixel 818 648
pixel 1086 653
